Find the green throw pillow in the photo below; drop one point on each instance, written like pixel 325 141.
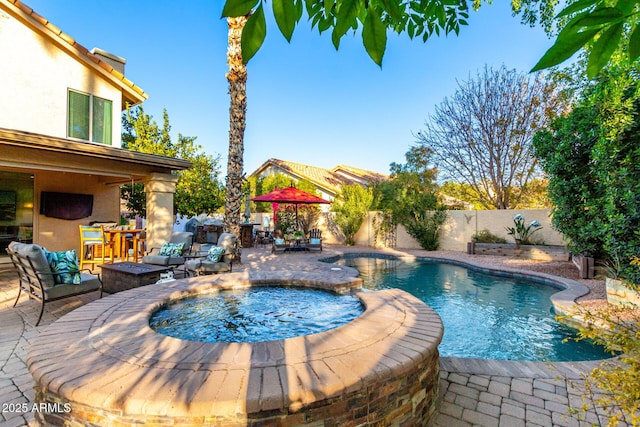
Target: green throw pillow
pixel 65 266
pixel 171 249
pixel 215 253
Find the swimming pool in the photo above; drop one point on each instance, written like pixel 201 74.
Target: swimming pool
pixel 485 316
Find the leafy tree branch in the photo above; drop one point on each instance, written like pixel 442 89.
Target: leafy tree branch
pixel 601 26
pixel 198 189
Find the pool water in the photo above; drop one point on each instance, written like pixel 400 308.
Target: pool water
pixel 485 316
pixel 255 314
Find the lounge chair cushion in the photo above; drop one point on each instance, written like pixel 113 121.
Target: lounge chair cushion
pixel 38 259
pixel 313 241
pixel 88 282
pixel 65 265
pixel 171 249
pixel 278 242
pixel 163 260
pixel 215 253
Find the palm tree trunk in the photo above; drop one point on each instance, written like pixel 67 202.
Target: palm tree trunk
pixel 237 77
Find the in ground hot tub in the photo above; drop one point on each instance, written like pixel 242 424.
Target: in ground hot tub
pixel 110 368
pixel 256 314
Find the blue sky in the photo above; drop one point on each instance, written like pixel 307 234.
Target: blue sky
pixel 307 102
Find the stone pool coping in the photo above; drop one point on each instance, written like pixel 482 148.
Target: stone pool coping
pixel 104 355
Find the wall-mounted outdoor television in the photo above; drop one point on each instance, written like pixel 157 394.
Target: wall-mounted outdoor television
pixel 66 205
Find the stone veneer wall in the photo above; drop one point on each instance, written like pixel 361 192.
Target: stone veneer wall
pixel 406 399
pixel 381 369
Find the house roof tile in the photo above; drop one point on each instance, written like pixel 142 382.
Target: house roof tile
pixel 329 180
pixel 361 173
pixel 132 93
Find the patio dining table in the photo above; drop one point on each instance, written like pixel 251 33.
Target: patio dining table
pixel 118 239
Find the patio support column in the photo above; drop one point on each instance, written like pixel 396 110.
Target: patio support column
pixel 159 188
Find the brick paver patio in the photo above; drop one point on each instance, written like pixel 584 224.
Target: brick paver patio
pixel 473 392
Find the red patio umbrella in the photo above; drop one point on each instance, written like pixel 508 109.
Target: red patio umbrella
pixel 290 195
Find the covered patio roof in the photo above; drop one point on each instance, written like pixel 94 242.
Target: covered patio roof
pixel 25 150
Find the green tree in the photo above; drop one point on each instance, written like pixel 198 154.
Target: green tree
pixel 351 209
pixel 410 198
pixel 264 185
pixel 198 189
pixel 533 196
pixel 482 136
pixel 308 215
pixel 577 198
pixel 374 17
pixel 592 158
pixel 279 180
pixel 460 191
pixel 603 27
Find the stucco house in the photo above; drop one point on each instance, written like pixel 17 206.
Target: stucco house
pixel 60 132
pixel 328 182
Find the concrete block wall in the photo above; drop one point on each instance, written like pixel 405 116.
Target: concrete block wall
pixel 458 229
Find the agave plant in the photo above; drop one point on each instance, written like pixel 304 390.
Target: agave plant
pixel 521 232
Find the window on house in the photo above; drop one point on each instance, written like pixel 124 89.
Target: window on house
pixel 89 117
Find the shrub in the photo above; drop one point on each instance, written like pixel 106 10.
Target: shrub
pixel 425 226
pixel 410 198
pixel 351 210
pixel 614 385
pixel 286 220
pixel 485 236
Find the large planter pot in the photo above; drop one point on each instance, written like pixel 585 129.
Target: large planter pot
pixel 537 252
pixel 619 293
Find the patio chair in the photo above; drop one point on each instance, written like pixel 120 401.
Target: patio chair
pixel 210 261
pixel 315 240
pixel 50 276
pixel 279 244
pixel 172 253
pixel 259 238
pixel 95 247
